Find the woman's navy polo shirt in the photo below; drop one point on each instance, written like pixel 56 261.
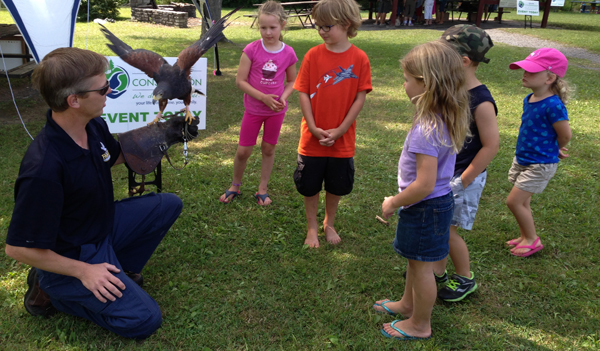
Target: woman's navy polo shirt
pixel 64 193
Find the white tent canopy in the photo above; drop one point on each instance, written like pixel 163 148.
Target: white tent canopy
pixel 45 24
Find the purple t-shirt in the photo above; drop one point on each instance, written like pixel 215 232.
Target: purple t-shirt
pixel 267 74
pixel 417 143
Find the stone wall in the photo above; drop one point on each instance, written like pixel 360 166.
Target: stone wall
pixel 164 17
pixel 174 6
pixel 180 7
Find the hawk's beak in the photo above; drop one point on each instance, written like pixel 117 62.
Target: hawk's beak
pixel 155 98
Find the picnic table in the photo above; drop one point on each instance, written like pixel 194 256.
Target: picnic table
pixel 585 4
pixel 294 9
pixel 474 8
pixel 11 32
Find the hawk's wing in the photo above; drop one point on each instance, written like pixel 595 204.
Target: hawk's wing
pixel 146 61
pixel 188 57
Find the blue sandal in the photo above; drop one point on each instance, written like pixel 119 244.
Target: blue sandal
pixel 387 310
pixel 405 337
pixel 229 193
pixel 261 197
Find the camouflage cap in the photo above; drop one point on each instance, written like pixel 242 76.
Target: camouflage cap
pixel 470 41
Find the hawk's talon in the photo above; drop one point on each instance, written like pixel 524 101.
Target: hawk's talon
pixel 156 119
pixel 188 117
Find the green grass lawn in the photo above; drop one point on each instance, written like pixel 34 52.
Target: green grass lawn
pixel 237 277
pixel 571 28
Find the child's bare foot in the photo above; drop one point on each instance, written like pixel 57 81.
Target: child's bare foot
pixel 263 199
pixel 514 242
pixel 410 333
pixel 230 194
pixel 331 235
pixel 393 308
pixel 312 239
pixel 526 246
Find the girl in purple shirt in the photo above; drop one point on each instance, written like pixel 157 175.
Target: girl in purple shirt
pixel 435 84
pixel 266 75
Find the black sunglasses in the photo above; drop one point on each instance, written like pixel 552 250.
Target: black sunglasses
pixel 102 91
pixel 324 28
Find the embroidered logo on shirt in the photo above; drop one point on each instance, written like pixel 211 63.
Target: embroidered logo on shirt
pixel 106 154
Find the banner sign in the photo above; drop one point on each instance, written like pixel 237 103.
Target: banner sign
pixel 528 8
pixel 558 3
pixel 508 3
pixel 130 104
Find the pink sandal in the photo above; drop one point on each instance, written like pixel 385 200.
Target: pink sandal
pixel 532 248
pixel 513 242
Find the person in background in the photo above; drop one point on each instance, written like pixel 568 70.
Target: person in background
pixel 383 8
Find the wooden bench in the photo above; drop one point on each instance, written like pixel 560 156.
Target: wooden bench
pixel 495 11
pixel 307 18
pixel 21 71
pixel 255 16
pixel 305 14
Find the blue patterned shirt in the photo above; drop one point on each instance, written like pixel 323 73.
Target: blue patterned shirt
pixel 537 137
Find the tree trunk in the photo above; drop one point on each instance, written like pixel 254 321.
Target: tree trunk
pixel 215 11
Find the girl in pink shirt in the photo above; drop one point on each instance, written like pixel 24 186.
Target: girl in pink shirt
pixel 266 75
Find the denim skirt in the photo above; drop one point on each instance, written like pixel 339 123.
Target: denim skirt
pixel 423 229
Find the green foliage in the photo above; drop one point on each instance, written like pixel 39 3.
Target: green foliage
pixel 237 277
pixel 98 9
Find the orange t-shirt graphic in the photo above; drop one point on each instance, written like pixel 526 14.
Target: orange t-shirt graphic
pixel 332 81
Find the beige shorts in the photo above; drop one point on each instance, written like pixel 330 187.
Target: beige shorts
pixel 533 178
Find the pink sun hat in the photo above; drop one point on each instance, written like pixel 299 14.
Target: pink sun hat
pixel 543 59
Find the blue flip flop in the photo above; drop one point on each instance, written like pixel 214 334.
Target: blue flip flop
pixel 405 337
pixel 262 197
pixel 387 310
pixel 228 194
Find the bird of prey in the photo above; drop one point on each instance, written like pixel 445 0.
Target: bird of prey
pixel 172 82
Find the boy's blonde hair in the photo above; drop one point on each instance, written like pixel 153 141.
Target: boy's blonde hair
pixel 561 88
pixel 274 8
pixel 343 12
pixel 446 98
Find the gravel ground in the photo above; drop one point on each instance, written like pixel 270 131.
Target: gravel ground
pixel 500 36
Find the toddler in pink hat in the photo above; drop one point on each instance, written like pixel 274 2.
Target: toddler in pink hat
pixel 544 59
pixel 543 135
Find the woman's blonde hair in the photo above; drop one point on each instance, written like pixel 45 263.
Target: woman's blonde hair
pixel 446 98
pixel 343 12
pixel 561 88
pixel 274 8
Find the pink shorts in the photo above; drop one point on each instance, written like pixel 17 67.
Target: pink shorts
pixel 251 126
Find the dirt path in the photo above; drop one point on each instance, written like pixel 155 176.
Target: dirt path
pixel 514 39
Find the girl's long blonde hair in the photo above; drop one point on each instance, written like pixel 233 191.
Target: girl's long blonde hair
pixel 561 88
pixel 274 8
pixel 446 98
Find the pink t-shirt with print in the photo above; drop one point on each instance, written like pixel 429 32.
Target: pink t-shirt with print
pixel 267 74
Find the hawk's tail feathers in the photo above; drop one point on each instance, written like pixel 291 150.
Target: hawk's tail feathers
pixel 118 46
pixel 215 33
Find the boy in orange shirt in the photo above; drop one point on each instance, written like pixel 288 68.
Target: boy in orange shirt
pixel 333 82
